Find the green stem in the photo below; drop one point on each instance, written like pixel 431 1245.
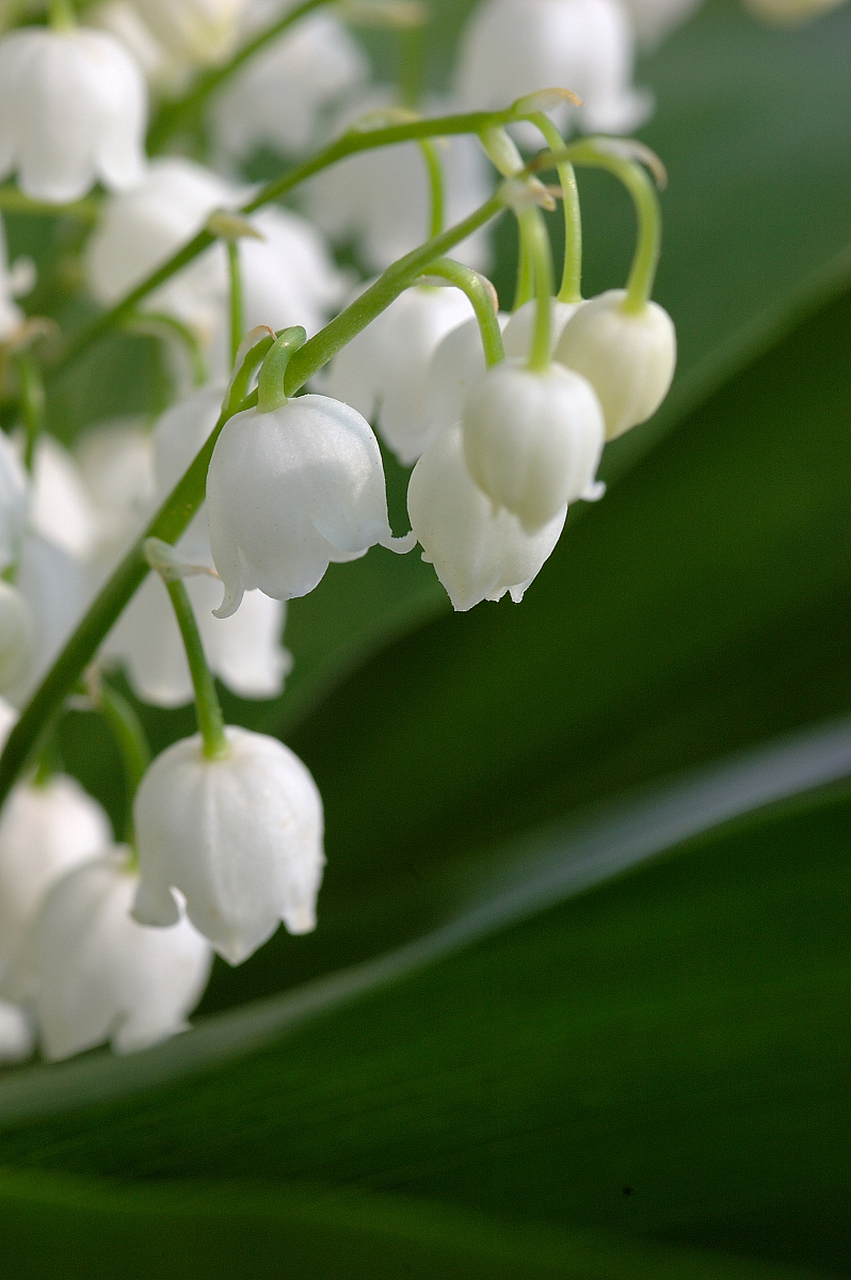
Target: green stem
pixel 209 711
pixel 532 221
pixel 270 383
pixel 571 279
pixel 434 169
pixel 180 112
pixel 132 743
pixel 525 287
pixel 237 321
pixel 639 285
pixel 324 345
pixel 156 321
pixel 350 144
pixel 482 300
pixel 32 404
pixel 14 201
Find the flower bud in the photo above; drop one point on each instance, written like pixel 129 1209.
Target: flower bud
pixel 532 441
pixel 240 837
pixel 478 554
pixel 91 973
pixel 289 491
pixel 628 357
pixel 73 106
pixel 457 364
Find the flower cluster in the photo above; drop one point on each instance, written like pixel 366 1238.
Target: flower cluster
pixel 166 547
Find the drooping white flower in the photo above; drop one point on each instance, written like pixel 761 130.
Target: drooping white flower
pixel 532 441
pixel 275 100
pixel 60 508
pixel 239 837
pixel 91 973
pixel 54 587
pixel 288 276
pixel 289 491
pixel 628 357
pixel 12 284
pixel 17 1037
pixel 204 32
pixel 478 553
pixel 384 371
pixel 14 502
pixel 73 108
pixel 457 363
pixel 381 199
pixel 514 47
pixel 45 831
pixel 517 334
pixel 164 71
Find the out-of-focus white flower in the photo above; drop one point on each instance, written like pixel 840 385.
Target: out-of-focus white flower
pixel 73 107
pixel 790 12
pixel 514 47
pixel 288 276
pixel 17 1038
pixel 383 372
pixel 239 837
pixel 201 31
pixel 16 634
pixel 10 287
pixel 532 441
pixel 457 363
pixel 289 491
pixel 381 199
pixel 653 20
pixel 45 831
pixel 275 101
pixel 60 508
pixel 90 973
pixel 164 71
pixel 478 553
pixel 517 334
pixel 628 357
pixel 54 587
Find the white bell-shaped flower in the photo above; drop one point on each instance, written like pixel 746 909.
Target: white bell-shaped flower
pixel 380 199
pixel 384 371
pixel 204 32
pixel 276 99
pixel 478 553
pixel 289 491
pixel 16 635
pixel 457 364
pixel 239 837
pixel 288 277
pixel 517 334
pixel 54 587
pixel 166 73
pixel 60 507
pixel 514 47
pixel 628 357
pixel 17 1036
pixel 45 831
pixel 91 973
pixel 73 107
pixel 532 441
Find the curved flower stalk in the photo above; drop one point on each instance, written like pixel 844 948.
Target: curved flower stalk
pixel 90 973
pixel 73 107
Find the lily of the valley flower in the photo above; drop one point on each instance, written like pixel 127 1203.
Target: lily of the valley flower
pixel 627 356
pixel 73 106
pixel 201 31
pixel 17 1036
pixel 478 553
pixel 90 973
pixel 517 334
pixel 288 492
pixel 532 441
pixel 458 362
pixel 240 837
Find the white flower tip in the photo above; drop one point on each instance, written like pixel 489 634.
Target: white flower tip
pixel 300 920
pixel 159 910
pixel 400 546
pixel 593 491
pixel 230 603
